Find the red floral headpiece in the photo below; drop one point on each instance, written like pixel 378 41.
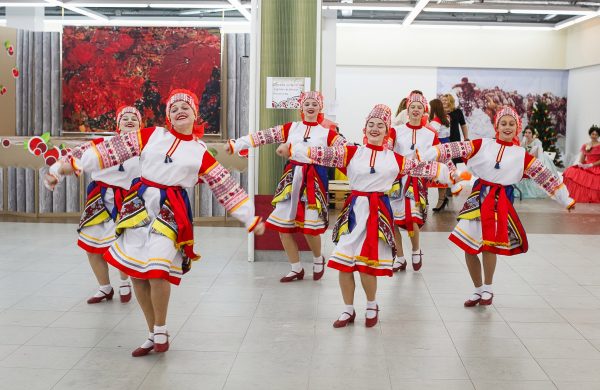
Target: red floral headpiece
pixel 504 111
pixel 416 97
pixel 127 110
pixel 382 112
pixel 184 95
pixel 311 95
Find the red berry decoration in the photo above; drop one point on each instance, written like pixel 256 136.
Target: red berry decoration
pixel 15 72
pixel 6 142
pixel 51 156
pixel 37 151
pixel 2 90
pixel 11 51
pixel 50 161
pixel 63 152
pixel 42 147
pixel 33 143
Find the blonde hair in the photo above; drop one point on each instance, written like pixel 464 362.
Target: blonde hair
pixel 451 101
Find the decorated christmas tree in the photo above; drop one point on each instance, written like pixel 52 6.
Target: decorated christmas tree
pixel 541 123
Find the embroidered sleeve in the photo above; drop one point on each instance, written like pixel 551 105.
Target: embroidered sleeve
pixel 329 156
pixel 549 182
pixel 227 191
pixel 450 150
pixel 274 135
pixel 108 153
pixel 425 169
pixel 78 151
pixel 334 139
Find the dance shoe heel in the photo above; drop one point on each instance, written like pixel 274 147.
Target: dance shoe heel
pixel 141 351
pixel 343 323
pixel 319 275
pixel 401 267
pixel 471 303
pixel 417 266
pixel 296 276
pixel 163 347
pixel 371 322
pixel 125 297
pixel 486 302
pixel 106 296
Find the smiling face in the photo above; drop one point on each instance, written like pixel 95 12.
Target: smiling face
pixel 445 103
pixel 594 136
pixel 528 134
pixel 129 122
pixel 310 109
pixel 375 131
pixel 182 116
pixel 507 128
pixel 415 112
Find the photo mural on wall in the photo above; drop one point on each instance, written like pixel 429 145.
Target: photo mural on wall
pixel 481 92
pixel 104 68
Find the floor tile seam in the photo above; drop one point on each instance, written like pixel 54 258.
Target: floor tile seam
pixel 568 322
pixel 450 336
pixel 548 377
pixel 237 352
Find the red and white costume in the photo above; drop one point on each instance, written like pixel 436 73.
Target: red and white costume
pixel 156 234
pixel 300 198
pixel 409 194
pixel 364 231
pixel 488 221
pixel 105 196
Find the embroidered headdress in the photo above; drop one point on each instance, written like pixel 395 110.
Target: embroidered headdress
pixel 504 111
pixel 127 110
pixel 184 95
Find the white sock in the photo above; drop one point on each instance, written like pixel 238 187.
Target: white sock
pixel 399 260
pixel 125 287
pixel 106 289
pixel 296 268
pixel 371 305
pixel 474 296
pixel 417 258
pixel 345 315
pixel 149 341
pixel 160 338
pixel 318 264
pixel 487 291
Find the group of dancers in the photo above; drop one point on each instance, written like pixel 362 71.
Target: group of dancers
pixel 137 215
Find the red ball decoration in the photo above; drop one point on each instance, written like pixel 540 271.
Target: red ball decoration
pixel 15 72
pixel 51 156
pixel 6 142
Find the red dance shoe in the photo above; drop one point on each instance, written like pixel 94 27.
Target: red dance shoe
pixel 106 296
pixel 470 303
pixel 401 267
pixel 371 322
pixel 319 275
pixel 141 351
pixel 417 266
pixel 164 347
pixel 125 297
pixel 297 275
pixel 343 323
pixel 486 302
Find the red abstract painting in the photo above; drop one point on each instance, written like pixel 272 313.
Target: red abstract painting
pixel 107 67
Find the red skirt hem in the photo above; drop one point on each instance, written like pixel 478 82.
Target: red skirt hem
pixel 359 268
pixel 153 274
pixel 91 249
pixel 296 229
pixel 485 248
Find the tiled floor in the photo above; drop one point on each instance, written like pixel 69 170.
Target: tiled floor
pixel 234 326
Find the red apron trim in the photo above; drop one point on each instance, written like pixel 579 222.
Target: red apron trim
pixel 185 229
